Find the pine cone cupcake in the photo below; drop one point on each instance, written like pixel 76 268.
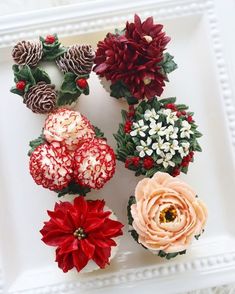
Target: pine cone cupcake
pixel 68 127
pixel 78 59
pixel 26 52
pixel 51 166
pixel 41 98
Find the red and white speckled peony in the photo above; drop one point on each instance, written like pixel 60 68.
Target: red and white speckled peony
pixel 51 166
pixel 94 163
pixel 68 127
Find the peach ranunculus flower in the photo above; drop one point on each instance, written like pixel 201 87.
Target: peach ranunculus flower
pixel 166 214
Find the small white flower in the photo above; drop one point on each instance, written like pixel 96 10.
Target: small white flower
pixel 171 147
pixel 159 146
pixel 144 149
pixel 165 111
pixel 171 133
pixel 185 130
pixel 184 149
pixel 156 128
pixel 139 128
pixel 165 160
pixel 150 114
pixel 171 118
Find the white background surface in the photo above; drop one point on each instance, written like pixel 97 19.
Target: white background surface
pixel 225 11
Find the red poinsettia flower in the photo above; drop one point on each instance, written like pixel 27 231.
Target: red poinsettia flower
pixel 133 57
pixel 81 231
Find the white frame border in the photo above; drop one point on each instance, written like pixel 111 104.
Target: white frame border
pixel 98 15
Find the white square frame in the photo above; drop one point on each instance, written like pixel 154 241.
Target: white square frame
pixel 97 16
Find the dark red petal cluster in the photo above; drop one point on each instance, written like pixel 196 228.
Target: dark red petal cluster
pixel 96 240
pixel 51 166
pixel 133 58
pixel 94 163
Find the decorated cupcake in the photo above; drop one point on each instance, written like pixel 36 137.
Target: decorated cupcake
pixel 36 61
pixel 85 234
pixel 157 135
pixel 68 127
pixel 71 156
pixel 133 62
pixel 165 215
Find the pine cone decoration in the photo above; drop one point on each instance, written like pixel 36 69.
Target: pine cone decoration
pixel 41 98
pixel 78 59
pixel 26 52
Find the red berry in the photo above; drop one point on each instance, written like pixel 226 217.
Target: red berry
pixel 185 161
pixel 82 83
pixel 135 161
pixel 127 126
pixel 183 112
pixel 178 113
pixel 50 39
pixel 191 154
pixel 148 162
pixel 175 172
pixel 171 106
pixel 190 119
pixel 20 85
pixel 127 162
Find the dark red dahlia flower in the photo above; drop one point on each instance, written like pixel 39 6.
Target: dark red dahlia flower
pixel 81 231
pixel 134 58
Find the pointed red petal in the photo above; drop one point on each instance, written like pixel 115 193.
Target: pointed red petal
pixel 87 248
pixel 80 260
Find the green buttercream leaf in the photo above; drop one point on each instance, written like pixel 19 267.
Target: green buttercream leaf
pixel 40 75
pixel 167 65
pixel 74 188
pixel 52 51
pixel 35 143
pixel 98 133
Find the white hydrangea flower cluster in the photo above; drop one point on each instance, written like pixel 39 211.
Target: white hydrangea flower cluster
pixel 162 140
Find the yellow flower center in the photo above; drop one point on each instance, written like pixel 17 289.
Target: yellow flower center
pixel 147 81
pixel 168 214
pixel 80 234
pixel 148 38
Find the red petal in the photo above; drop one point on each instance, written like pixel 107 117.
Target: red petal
pixel 92 224
pixel 95 206
pixel 87 248
pixel 112 228
pixel 65 261
pixel 69 245
pixel 81 207
pixel 54 238
pixel 100 241
pixel 80 260
pixel 101 256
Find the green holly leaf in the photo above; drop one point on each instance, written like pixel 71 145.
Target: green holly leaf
pixel 168 100
pixel 98 133
pixel 69 92
pixel 74 188
pixel 130 202
pixel 52 51
pixel 120 90
pixel 23 73
pixel 40 75
pixel 86 91
pixel 35 143
pixel 69 84
pixel 167 65
pixel 14 90
pixel 119 32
